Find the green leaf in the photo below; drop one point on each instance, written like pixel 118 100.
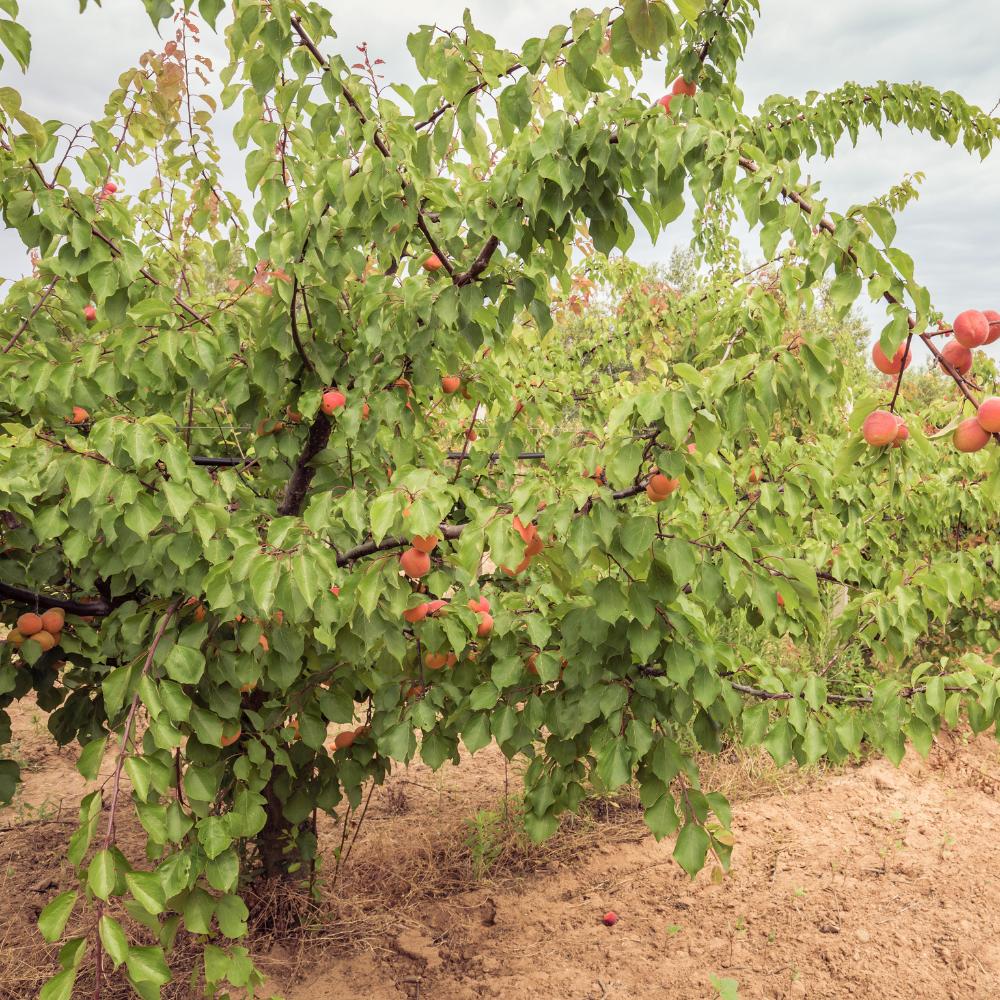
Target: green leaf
pixel 52 920
pixel 147 888
pixel 101 874
pixel 614 763
pixel 147 964
pixel 231 912
pixel 91 758
pixel 113 939
pixel 691 847
pixel 210 10
pixel 18 41
pixel 60 987
pixel 661 817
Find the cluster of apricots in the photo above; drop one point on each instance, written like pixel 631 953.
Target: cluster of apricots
pixel 660 487
pixel 533 544
pixel 44 629
pixel 971 329
pixel 680 88
pixel 346 739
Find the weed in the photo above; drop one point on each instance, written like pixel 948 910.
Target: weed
pixel 485 841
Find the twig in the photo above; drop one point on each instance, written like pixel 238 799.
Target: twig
pixel 31 316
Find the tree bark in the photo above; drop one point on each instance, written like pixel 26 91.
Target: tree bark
pixel 302 475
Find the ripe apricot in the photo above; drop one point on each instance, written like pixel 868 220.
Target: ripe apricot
pixel 15 637
pixel 435 661
pixel 90 313
pixel 659 483
pixel 343 740
pixel 970 436
pixel 435 606
pixel 332 400
pixel 485 624
pixel 415 563
pixel 465 392
pixel 362 730
pixel 263 642
pixel 481 605
pixel 80 415
pixel 534 547
pixel 295 418
pixel 53 620
pixel 29 624
pixel 229 740
pixel 46 640
pixel 526 562
pixel 902 433
pixel 450 383
pixel 971 328
pixel 781 601
pixel 433 263
pixel 417 614
pixel 682 86
pixel 530 665
pixel 993 318
pixel 896 365
pixel 248 687
pixel 654 496
pixel 404 383
pixel 754 476
pixel 959 357
pixel 988 414
pixel 425 543
pixel 365 410
pixel 879 428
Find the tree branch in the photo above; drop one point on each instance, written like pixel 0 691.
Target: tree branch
pixel 302 474
pixel 34 600
pixel 31 316
pixel 480 263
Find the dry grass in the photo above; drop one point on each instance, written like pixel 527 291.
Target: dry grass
pixel 397 867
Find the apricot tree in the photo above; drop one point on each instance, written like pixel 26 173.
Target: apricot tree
pixel 338 465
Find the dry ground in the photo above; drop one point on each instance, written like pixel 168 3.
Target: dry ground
pixel 862 881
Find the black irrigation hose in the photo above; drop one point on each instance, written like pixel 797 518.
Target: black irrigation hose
pixel 453 455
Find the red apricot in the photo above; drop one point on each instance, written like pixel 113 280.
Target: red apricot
pixel 959 357
pixel 682 86
pixel 969 436
pixel 897 364
pixel 993 318
pixel 988 414
pixel 485 624
pixel 971 328
pixel 417 614
pixel 80 415
pixel 332 400
pixel 879 428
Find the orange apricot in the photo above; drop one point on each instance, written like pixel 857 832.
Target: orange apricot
pixel 450 383
pixel 970 436
pixel 53 620
pixel 415 563
pixel 425 543
pixel 29 624
pixel 343 740
pixel 229 740
pixel 417 614
pixel 879 428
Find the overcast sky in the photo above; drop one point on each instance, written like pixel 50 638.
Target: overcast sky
pixel 952 232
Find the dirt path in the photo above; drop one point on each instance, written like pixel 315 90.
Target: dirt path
pixel 864 882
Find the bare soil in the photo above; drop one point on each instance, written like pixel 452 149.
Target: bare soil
pixel 861 881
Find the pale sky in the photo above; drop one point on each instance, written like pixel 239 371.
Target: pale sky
pixel 952 232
